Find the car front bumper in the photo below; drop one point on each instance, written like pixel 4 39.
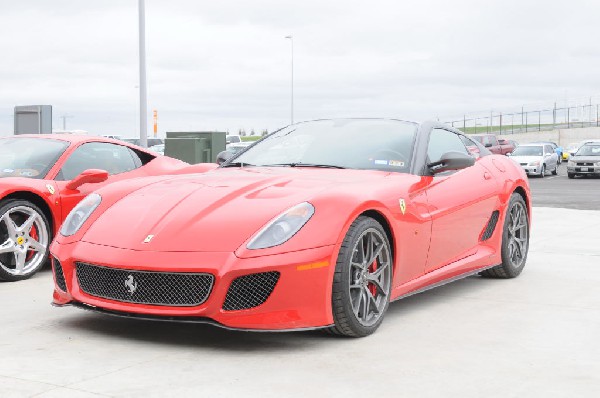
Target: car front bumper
pixel 300 299
pixel 583 170
pixel 533 170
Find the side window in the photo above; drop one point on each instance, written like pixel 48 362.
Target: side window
pixel 442 141
pixel 549 149
pixel 113 158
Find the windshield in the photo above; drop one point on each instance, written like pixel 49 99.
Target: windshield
pixel 528 151
pixel 348 143
pixel 29 157
pixel 589 150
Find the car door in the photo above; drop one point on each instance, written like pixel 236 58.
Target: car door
pixel 460 202
pixel 550 157
pixel 119 161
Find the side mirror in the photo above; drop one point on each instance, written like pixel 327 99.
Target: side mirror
pixel 488 145
pixel 451 161
pixel 90 176
pixel 223 156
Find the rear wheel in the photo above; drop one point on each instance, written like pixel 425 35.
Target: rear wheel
pixel 515 241
pixel 362 279
pixel 24 240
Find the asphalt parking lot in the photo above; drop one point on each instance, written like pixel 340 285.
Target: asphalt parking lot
pixel 536 335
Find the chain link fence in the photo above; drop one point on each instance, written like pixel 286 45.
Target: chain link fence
pixel 568 114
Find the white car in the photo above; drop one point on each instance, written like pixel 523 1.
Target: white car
pixel 536 159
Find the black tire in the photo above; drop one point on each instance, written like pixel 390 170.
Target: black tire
pixel 32 259
pixel 571 175
pixel 513 262
pixel 543 171
pixel 555 171
pixel 351 283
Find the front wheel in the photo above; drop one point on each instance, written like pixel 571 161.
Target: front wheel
pixel 362 279
pixel 24 240
pixel 543 171
pixel 555 171
pixel 571 175
pixel 515 240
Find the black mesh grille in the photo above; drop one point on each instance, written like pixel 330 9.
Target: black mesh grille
pixel 144 287
pixel 59 276
pixel 491 226
pixel 250 291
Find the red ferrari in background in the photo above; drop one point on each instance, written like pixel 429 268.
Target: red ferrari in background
pixel 318 225
pixel 42 177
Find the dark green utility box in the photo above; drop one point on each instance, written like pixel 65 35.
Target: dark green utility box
pixel 195 147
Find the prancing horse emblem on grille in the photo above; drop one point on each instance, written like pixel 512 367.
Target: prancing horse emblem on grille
pixel 131 285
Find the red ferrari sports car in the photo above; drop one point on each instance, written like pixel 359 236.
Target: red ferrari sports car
pixel 318 225
pixel 42 177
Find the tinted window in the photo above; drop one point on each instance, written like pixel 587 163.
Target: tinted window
pixel 349 143
pixel 113 158
pixel 29 157
pixel 442 141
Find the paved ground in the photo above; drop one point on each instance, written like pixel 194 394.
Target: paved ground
pixel 560 191
pixel 534 336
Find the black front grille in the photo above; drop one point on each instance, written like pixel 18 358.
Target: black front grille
pixel 585 164
pixel 250 291
pixel 59 275
pixel 144 287
pixel 491 226
pixel 523 164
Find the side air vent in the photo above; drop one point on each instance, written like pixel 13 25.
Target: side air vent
pixel 491 226
pixel 250 291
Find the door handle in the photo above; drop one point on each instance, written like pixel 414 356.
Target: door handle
pixel 487 175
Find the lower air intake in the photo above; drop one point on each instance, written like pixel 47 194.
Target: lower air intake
pixel 144 287
pixel 250 291
pixel 59 275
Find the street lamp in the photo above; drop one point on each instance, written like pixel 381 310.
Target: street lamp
pixel 143 98
pixel 292 82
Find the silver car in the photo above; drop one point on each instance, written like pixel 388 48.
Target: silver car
pixel 586 161
pixel 536 159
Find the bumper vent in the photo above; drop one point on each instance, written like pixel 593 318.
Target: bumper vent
pixel 59 275
pixel 491 226
pixel 250 291
pixel 144 287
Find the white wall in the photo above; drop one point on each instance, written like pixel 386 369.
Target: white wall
pixel 562 137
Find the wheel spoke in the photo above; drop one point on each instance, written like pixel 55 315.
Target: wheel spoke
pixel 371 300
pixel 7 247
pixel 36 246
pixel 20 257
pixel 11 227
pixel 26 227
pixel 375 254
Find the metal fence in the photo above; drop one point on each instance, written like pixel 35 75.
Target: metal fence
pixel 568 114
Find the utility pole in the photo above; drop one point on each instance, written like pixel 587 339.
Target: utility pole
pixel 142 56
pixel 64 121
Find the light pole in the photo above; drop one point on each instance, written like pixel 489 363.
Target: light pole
pixel 292 82
pixel 143 98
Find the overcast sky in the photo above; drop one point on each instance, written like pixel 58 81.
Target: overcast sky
pixel 225 65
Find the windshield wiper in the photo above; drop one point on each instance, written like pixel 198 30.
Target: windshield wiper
pixel 300 164
pixel 237 164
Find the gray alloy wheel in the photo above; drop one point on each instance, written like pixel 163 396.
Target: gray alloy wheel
pixel 24 240
pixel 515 240
pixel 362 279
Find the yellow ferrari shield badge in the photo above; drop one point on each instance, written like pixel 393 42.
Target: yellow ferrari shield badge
pixel 20 241
pixel 402 206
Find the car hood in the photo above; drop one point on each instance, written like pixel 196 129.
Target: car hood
pixel 526 159
pixel 585 159
pixel 215 211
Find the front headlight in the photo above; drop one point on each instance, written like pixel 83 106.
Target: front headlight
pixel 536 163
pixel 283 227
pixel 571 163
pixel 80 214
pixel 597 164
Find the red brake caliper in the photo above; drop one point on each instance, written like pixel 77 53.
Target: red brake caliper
pixel 33 235
pixel 372 287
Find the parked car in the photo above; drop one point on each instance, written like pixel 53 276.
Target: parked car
pixel 42 177
pixel 150 141
pixel 491 142
pixel 574 147
pixel 536 159
pixel 558 149
pixel 585 162
pixel 290 234
pixel 232 139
